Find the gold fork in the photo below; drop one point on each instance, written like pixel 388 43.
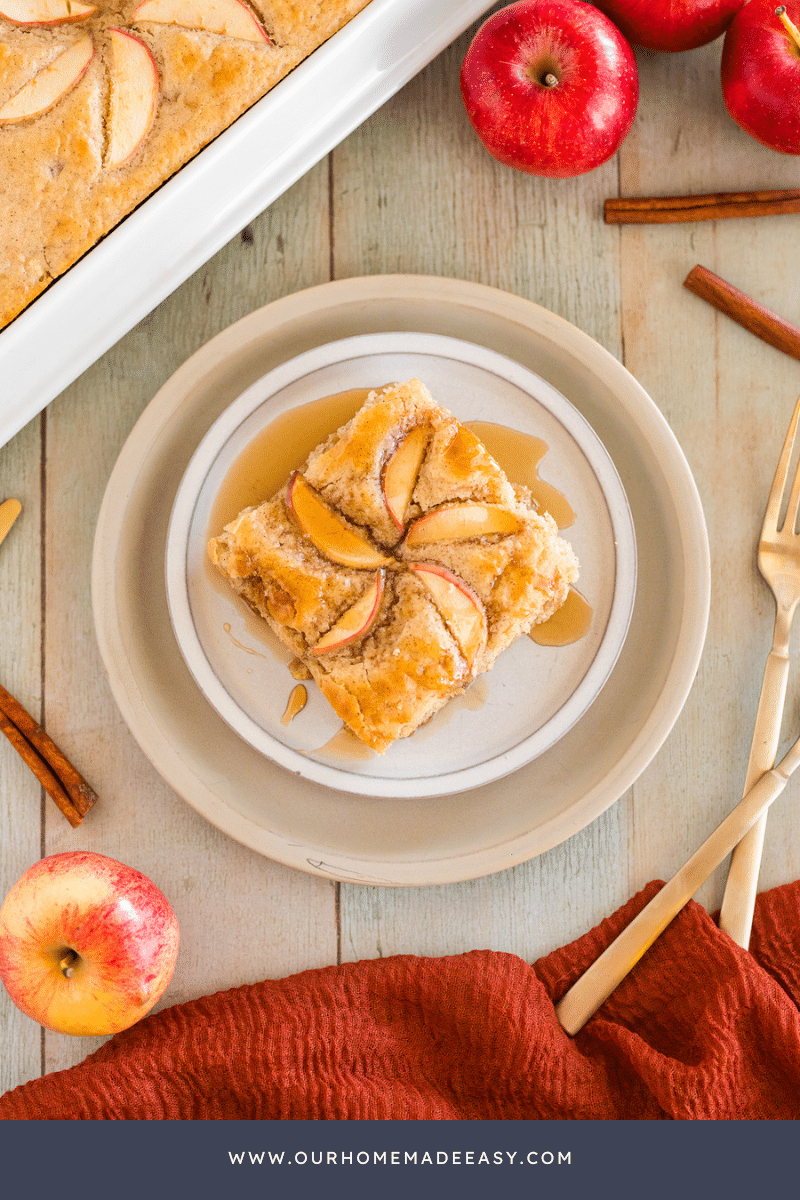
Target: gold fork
pixel 779 563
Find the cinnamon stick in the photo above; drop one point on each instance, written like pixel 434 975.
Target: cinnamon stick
pixel 715 206
pixel 79 794
pixel 41 770
pixel 748 312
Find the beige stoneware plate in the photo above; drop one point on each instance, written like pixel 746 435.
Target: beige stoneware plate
pixel 410 841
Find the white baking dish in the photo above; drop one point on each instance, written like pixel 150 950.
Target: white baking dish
pixel 214 196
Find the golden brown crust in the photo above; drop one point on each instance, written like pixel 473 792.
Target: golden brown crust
pixel 58 197
pixel 415 656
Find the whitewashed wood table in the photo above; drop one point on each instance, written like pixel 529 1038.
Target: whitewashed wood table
pixel 412 191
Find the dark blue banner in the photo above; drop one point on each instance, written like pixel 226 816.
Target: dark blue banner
pixel 559 1159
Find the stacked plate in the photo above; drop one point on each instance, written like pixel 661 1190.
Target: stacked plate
pixel 558 734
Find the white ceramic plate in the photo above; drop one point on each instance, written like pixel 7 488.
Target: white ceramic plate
pixel 214 196
pixel 414 841
pixel 532 696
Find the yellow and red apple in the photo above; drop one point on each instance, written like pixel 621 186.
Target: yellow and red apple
pixel 355 622
pixel 48 85
pixel 401 472
pixel 133 97
pixel 459 607
pixel 460 522
pixel 228 17
pixel 338 541
pixel 87 944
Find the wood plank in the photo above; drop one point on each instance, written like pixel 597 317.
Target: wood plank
pixel 235 908
pixel 20 672
pixel 414 191
pixel 728 397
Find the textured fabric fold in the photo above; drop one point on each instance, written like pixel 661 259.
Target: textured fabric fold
pixel 700 1030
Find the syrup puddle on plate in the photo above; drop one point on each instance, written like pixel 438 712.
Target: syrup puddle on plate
pixel 519 454
pixel 473 699
pixel 296 703
pixel 283 446
pixel 568 624
pixel 344 746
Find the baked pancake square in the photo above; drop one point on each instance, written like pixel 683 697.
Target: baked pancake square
pixel 397 563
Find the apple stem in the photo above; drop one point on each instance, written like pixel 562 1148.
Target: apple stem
pixel 788 24
pixel 67 963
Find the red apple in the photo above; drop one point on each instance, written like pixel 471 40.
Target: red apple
pixel 551 86
pixel 671 24
pixel 761 73
pixel 87 945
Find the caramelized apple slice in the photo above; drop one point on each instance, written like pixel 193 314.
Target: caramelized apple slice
pixel 401 471
pixel 229 17
pixel 45 12
pixel 459 522
pixel 50 84
pixel 134 96
pixel 357 621
pixel 460 609
pixel 332 537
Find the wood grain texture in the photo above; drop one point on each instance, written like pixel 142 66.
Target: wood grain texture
pixel 21 801
pixel 728 398
pixel 412 190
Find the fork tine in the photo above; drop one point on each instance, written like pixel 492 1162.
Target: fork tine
pixel 775 501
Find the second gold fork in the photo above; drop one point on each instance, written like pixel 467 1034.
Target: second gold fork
pixel 779 564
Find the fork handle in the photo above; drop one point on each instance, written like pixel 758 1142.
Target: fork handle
pixel 738 901
pixel 606 972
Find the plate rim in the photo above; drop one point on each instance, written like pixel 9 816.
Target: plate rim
pixel 468 299
pixel 215 442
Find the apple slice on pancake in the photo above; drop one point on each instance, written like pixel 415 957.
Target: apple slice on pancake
pixel 134 96
pixel 401 471
pixel 338 541
pixel 460 609
pixel 356 622
pixel 45 12
pixel 459 522
pixel 48 85
pixel 228 17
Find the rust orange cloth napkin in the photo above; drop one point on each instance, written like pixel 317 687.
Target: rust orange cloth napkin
pixel 700 1030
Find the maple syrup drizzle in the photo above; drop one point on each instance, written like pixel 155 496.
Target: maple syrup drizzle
pixel 344 746
pixel 297 702
pixel 519 454
pixel 567 625
pixel 241 645
pixel 473 699
pixel 283 446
